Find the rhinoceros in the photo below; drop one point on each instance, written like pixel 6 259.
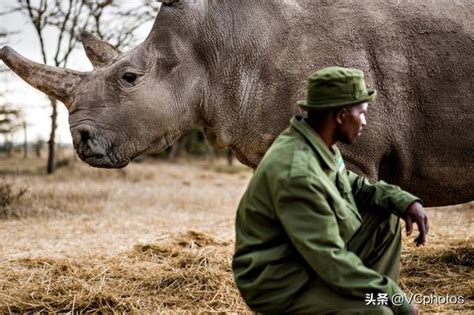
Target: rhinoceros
pixel 237 68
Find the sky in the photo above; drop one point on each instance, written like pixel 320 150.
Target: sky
pixel 34 104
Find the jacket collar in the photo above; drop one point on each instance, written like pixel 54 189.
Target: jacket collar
pixel 332 160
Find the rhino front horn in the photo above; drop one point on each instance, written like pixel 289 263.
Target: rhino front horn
pixel 99 52
pixel 56 82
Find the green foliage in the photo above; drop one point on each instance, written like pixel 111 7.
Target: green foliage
pixel 197 144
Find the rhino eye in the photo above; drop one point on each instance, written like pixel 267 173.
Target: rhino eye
pixel 129 77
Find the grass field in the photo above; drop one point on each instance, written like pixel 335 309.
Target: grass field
pixel 159 237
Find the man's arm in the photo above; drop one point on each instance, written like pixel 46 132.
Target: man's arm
pixel 312 226
pixel 390 197
pixel 380 194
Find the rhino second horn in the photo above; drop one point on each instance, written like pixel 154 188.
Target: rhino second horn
pixel 58 83
pixel 99 52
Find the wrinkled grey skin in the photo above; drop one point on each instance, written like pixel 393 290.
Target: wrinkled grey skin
pixel 237 69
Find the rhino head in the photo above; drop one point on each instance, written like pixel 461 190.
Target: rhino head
pixel 130 103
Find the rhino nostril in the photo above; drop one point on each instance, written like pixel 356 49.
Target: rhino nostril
pixel 82 138
pixel 86 143
pixel 85 136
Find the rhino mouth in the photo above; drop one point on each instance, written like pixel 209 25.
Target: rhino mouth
pixel 95 149
pixel 104 161
pixel 108 157
pixel 160 144
pixel 98 156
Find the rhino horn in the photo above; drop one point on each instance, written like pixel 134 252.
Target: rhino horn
pixel 99 52
pixel 56 82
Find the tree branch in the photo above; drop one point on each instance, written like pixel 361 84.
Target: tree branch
pixel 61 32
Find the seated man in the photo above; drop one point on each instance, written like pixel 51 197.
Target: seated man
pixel 311 236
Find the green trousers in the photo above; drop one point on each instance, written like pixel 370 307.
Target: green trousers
pixel 377 243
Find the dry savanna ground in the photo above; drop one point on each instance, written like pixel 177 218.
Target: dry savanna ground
pixel 158 236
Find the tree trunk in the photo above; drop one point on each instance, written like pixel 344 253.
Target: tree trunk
pixel 230 157
pixel 25 155
pixel 178 146
pixel 51 143
pixel 38 148
pixel 211 153
pixel 9 145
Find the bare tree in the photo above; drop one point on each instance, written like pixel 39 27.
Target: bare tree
pixel 9 116
pixel 3 40
pixel 25 139
pixel 38 146
pixel 68 18
pixel 119 30
pixel 9 123
pixel 3 35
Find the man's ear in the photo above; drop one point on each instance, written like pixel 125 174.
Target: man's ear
pixel 340 115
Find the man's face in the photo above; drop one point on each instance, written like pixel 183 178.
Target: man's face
pixel 350 122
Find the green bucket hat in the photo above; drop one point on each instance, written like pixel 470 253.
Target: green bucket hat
pixel 336 87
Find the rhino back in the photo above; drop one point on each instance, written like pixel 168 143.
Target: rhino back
pixel 417 55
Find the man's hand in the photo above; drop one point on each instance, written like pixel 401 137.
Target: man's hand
pixel 415 213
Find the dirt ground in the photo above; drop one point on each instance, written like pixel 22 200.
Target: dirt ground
pixel 158 236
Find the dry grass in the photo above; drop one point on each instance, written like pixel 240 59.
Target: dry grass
pixel 184 272
pixel 8 196
pixel 93 240
pixel 444 272
pixel 446 265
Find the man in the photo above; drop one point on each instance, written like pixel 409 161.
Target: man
pixel 311 236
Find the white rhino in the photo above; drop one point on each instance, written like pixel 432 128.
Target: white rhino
pixel 237 68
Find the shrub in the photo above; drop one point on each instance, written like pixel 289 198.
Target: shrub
pixel 9 195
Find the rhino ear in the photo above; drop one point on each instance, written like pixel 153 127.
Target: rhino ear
pixel 99 52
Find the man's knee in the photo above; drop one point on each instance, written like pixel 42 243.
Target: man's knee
pixel 382 223
pixel 393 226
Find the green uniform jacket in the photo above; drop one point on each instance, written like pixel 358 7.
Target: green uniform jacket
pixel 293 222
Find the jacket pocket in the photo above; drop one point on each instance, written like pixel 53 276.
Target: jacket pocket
pixel 348 222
